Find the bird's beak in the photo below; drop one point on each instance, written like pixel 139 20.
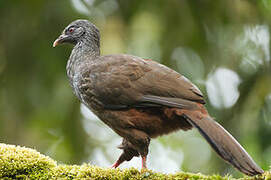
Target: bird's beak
pixel 60 40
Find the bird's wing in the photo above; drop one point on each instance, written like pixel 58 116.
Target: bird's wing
pixel 124 80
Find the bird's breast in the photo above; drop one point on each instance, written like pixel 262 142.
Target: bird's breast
pixel 83 87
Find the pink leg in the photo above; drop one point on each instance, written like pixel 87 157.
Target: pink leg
pixel 144 163
pixel 116 164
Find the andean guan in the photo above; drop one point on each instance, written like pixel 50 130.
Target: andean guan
pixel 141 99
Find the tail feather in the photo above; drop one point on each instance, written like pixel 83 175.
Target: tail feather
pixel 223 143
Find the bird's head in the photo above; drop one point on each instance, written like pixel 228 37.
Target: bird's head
pixel 79 31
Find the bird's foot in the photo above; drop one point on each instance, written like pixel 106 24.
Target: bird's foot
pixel 116 164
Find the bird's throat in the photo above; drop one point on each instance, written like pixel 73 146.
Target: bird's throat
pixel 82 52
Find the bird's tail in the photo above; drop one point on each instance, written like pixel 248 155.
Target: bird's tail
pixel 223 143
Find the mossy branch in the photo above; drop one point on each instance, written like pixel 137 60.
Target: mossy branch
pixel 24 163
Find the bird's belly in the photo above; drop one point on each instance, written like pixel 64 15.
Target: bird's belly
pixel 153 121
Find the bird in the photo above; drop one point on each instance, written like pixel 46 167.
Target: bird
pixel 141 99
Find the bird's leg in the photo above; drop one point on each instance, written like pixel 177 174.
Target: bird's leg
pixel 136 143
pixel 128 153
pixel 117 163
pixel 144 162
pixel 141 142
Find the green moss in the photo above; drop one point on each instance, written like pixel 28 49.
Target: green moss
pixel 24 163
pixel 19 162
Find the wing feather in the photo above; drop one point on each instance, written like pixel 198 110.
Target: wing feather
pixel 125 80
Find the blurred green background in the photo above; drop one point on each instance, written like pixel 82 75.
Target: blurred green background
pixel 222 46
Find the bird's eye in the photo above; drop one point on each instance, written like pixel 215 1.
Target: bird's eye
pixel 71 30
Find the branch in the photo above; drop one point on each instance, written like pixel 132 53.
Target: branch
pixel 24 163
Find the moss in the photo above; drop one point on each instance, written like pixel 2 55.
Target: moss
pixel 19 162
pixel 24 163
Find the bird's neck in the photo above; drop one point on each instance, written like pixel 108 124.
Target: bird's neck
pixel 82 53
